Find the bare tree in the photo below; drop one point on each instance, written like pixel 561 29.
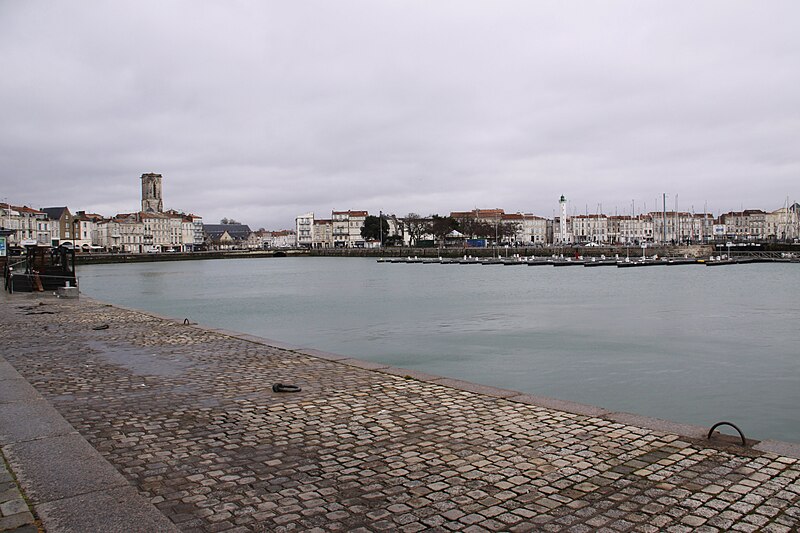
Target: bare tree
pixel 505 230
pixel 416 226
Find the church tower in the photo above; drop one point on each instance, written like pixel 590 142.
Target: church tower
pixel 151 193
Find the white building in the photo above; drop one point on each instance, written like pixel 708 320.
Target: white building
pixel 27 224
pixel 123 233
pixel 322 234
pixel 87 237
pixel 633 230
pixel 198 236
pixel 782 224
pixel 157 234
pixel 530 229
pixel 562 231
pixel 590 228
pixel 347 228
pixel 280 239
pixel 304 230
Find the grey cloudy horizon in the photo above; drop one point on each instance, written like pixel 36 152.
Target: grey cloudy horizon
pixel 262 111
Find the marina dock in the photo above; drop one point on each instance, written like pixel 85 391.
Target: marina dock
pixel 627 262
pixel 114 419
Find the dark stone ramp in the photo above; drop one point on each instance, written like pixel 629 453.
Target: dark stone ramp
pixel 188 417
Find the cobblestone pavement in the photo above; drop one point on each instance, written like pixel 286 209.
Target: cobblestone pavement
pixel 188 416
pixel 15 516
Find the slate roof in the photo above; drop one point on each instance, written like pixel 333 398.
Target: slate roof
pixel 236 231
pixel 54 213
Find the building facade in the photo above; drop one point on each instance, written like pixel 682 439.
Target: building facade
pixel 322 233
pixel 346 228
pixel 304 230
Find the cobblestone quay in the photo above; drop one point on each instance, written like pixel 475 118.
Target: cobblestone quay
pixel 188 416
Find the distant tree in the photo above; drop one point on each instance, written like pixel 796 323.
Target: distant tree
pixel 474 228
pixel 416 226
pixel 506 230
pixel 487 229
pixel 372 228
pixel 441 226
pixel 228 221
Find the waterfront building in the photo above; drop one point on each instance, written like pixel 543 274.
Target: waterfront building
pixel 347 228
pixel 86 236
pixel 122 233
pixel 156 231
pixel 750 224
pixel 634 230
pixel 198 237
pixel 782 224
pixel 185 231
pixel 279 239
pixel 675 227
pixel 304 230
pixel 562 231
pixel 322 233
pixel 229 236
pixel 63 225
pixel 396 229
pixel 26 225
pixel 9 223
pixel 529 229
pixel 590 228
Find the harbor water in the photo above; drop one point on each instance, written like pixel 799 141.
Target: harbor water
pixel 685 343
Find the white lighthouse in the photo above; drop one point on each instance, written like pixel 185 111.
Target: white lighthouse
pixel 562 221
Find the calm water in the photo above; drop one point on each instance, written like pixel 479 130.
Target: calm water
pixel 686 343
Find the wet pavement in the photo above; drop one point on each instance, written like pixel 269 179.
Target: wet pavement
pixel 187 417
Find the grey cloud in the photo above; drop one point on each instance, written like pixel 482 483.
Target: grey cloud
pixel 262 111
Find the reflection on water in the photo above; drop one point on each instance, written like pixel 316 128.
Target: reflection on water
pixel 686 343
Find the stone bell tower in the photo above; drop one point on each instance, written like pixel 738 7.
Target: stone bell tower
pixel 151 193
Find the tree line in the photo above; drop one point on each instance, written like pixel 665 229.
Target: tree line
pixel 377 228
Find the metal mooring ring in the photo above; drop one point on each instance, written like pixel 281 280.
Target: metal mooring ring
pixel 731 424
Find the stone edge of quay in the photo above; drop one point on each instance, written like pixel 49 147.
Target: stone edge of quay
pixel 62 475
pixel 690 431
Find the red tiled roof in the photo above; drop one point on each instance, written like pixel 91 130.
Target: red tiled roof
pixel 352 213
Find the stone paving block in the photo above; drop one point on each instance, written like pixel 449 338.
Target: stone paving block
pixel 60 467
pixel 14 506
pixel 40 420
pixel 13 522
pixel 116 510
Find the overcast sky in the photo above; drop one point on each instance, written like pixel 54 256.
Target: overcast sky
pixel 261 111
